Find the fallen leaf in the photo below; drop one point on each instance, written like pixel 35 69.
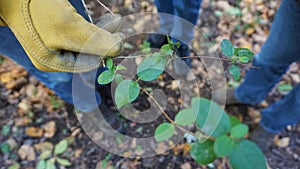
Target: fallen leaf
pixel 23 121
pixel 161 148
pixel 34 132
pixel 250 31
pixel 44 146
pixel 283 142
pixel 26 152
pixel 77 153
pixel 186 149
pixel 6 77
pixel 186 165
pixel 50 129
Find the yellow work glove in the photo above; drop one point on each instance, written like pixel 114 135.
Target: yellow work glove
pixel 2 23
pixel 51 31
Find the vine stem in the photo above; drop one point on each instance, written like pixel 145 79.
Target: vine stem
pixel 104 6
pixel 161 109
pixel 169 119
pixel 202 57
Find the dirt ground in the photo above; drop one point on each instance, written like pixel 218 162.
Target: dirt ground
pixel 33 118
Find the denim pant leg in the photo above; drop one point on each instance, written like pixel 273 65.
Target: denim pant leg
pixel 280 50
pixel 60 83
pixel 283 112
pixel 188 10
pixel 165 7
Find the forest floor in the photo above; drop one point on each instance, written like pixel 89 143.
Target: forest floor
pixel 33 119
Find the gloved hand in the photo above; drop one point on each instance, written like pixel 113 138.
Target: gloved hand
pixel 49 29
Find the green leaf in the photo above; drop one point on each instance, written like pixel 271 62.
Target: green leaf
pixel 186 117
pixel 41 164
pixel 120 67
pixel 50 165
pixel 145 46
pixel 239 131
pixel 127 91
pixel 15 166
pixel 246 155
pixel 166 50
pixel 203 153
pixel 5 148
pixel 164 131
pixel 235 72
pixel 106 77
pixel 109 63
pixel 244 52
pixel 235 11
pixel 244 59
pixel 211 118
pixel 45 155
pixel 63 162
pixel 61 147
pixel 234 121
pixel 223 146
pixel 285 87
pixel 118 78
pixel 5 130
pixel 151 68
pixel 227 48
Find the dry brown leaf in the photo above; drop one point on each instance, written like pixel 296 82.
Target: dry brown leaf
pixel 186 149
pixel 11 84
pixel 34 132
pixel 75 132
pixel 77 153
pixel 50 129
pixel 186 165
pixel 100 165
pixel 26 152
pixel 24 105
pixel 178 149
pixel 283 142
pixel 22 121
pixel 44 146
pixel 161 148
pixel 6 77
pixel 250 31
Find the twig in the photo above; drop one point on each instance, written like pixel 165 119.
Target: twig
pixel 155 101
pixel 105 7
pixel 169 119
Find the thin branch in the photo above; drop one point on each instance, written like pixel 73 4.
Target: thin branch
pixel 170 120
pixel 105 7
pixel 161 109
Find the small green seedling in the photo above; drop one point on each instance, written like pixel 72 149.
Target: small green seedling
pixel 48 158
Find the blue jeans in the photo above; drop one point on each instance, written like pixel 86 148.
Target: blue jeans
pixel 184 9
pixel 60 83
pixel 281 49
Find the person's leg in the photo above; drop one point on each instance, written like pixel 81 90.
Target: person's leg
pixel 165 21
pixel 279 51
pixel 187 12
pixel 186 15
pixel 283 112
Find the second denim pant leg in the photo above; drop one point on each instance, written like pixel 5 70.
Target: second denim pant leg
pixel 258 82
pixel 283 112
pixel 280 50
